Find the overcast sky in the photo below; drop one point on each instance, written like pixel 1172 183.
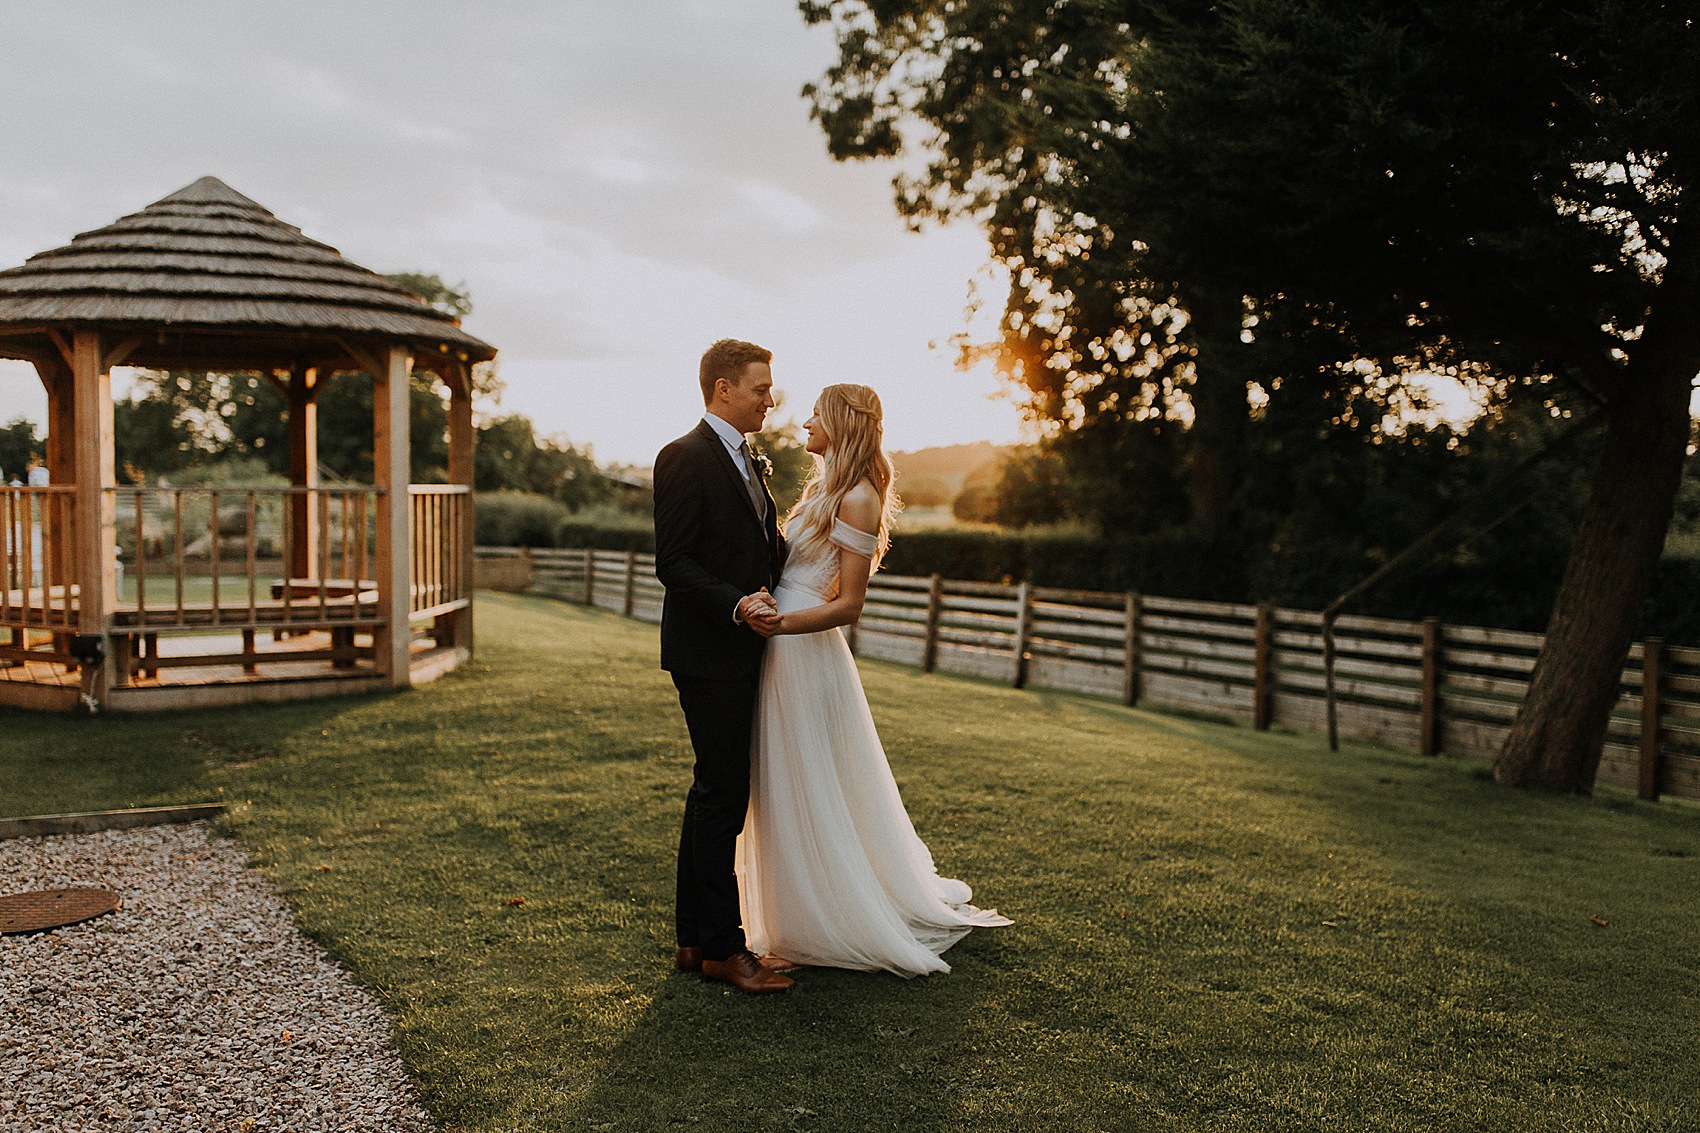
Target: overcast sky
pixel 617 184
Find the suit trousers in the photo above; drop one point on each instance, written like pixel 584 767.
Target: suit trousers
pixel 720 715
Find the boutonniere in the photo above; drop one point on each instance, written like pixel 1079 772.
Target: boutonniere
pixel 764 466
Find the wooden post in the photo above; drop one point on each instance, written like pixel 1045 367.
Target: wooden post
pixel 96 539
pixel 1652 694
pixel 1428 725
pixel 1023 633
pixel 56 534
pixel 463 439
pixel 590 576
pixel 390 463
pixel 303 472
pixel 1328 679
pixel 631 582
pixel 1263 665
pixel 61 421
pixel 851 633
pixel 1130 652
pixel 930 642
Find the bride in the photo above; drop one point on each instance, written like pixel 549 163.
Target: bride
pixel 830 869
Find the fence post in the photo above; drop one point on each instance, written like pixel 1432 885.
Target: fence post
pixel 1023 631
pixel 1428 724
pixel 525 563
pixel 930 643
pixel 590 576
pixel 1262 699
pixel 850 634
pixel 631 581
pixel 1328 680
pixel 1652 690
pixel 1130 651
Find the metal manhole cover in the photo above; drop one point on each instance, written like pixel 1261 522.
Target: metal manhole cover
pixel 52 908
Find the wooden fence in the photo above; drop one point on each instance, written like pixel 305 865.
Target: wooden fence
pixel 1425 686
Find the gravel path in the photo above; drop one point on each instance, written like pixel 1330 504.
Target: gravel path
pixel 196 1006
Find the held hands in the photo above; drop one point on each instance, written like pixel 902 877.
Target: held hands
pixel 760 612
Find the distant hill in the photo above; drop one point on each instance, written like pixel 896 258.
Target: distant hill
pixel 931 478
pixel 946 460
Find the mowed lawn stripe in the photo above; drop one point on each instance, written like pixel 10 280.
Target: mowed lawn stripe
pixel 1217 929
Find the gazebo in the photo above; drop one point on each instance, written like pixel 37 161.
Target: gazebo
pixel 138 596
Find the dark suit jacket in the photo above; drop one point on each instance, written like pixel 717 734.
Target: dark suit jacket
pixel 710 551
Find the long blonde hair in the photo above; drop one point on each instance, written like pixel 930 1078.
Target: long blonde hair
pixel 854 423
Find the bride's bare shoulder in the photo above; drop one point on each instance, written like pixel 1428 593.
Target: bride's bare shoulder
pixel 861 507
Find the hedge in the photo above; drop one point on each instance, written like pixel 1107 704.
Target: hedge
pixel 1172 563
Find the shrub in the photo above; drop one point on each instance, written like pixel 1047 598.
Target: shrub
pixel 607 529
pixel 517 519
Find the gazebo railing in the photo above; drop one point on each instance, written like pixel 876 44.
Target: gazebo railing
pixel 197 567
pixel 37 563
pixel 245 556
pixel 440 550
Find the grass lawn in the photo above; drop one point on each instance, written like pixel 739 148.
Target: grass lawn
pixel 1216 929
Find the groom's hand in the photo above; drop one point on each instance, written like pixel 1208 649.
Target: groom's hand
pixel 760 612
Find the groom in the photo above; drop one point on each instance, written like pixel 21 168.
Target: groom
pixel 718 553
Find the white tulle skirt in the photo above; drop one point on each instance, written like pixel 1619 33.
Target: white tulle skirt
pixel 830 869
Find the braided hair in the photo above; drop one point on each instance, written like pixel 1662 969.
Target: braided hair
pixel 853 420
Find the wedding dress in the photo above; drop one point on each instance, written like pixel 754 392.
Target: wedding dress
pixel 830 869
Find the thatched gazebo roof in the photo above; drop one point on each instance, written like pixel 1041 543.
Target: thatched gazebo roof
pixel 211 279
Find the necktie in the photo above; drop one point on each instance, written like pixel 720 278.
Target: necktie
pixel 752 481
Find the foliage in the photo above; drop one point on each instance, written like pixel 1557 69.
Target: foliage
pixel 1364 940
pixel 1192 196
pixel 510 457
pixel 433 292
pixel 607 529
pixel 782 443
pixel 1032 489
pixel 18 443
pixel 183 419
pixel 975 503
pixel 507 518
pixel 1314 198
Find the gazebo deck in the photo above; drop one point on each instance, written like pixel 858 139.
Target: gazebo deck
pixel 207 669
pixel 192 653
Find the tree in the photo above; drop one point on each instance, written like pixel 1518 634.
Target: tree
pixel 1032 488
pixel 1192 194
pixel 782 443
pixel 509 457
pixel 432 291
pixel 18 443
pixel 171 420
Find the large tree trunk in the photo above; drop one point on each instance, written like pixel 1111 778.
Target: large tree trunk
pixel 1556 738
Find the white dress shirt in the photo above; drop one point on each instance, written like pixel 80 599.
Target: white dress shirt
pixel 731 438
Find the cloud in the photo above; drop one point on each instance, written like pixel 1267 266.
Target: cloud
pixel 616 184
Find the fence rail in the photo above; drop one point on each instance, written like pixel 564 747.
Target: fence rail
pixel 37 557
pixel 440 529
pixel 1426 686
pixel 207 556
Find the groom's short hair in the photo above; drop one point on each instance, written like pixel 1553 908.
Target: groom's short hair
pixel 727 359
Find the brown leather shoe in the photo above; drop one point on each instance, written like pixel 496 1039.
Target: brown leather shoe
pixel 744 972
pixel 688 959
pixel 774 962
